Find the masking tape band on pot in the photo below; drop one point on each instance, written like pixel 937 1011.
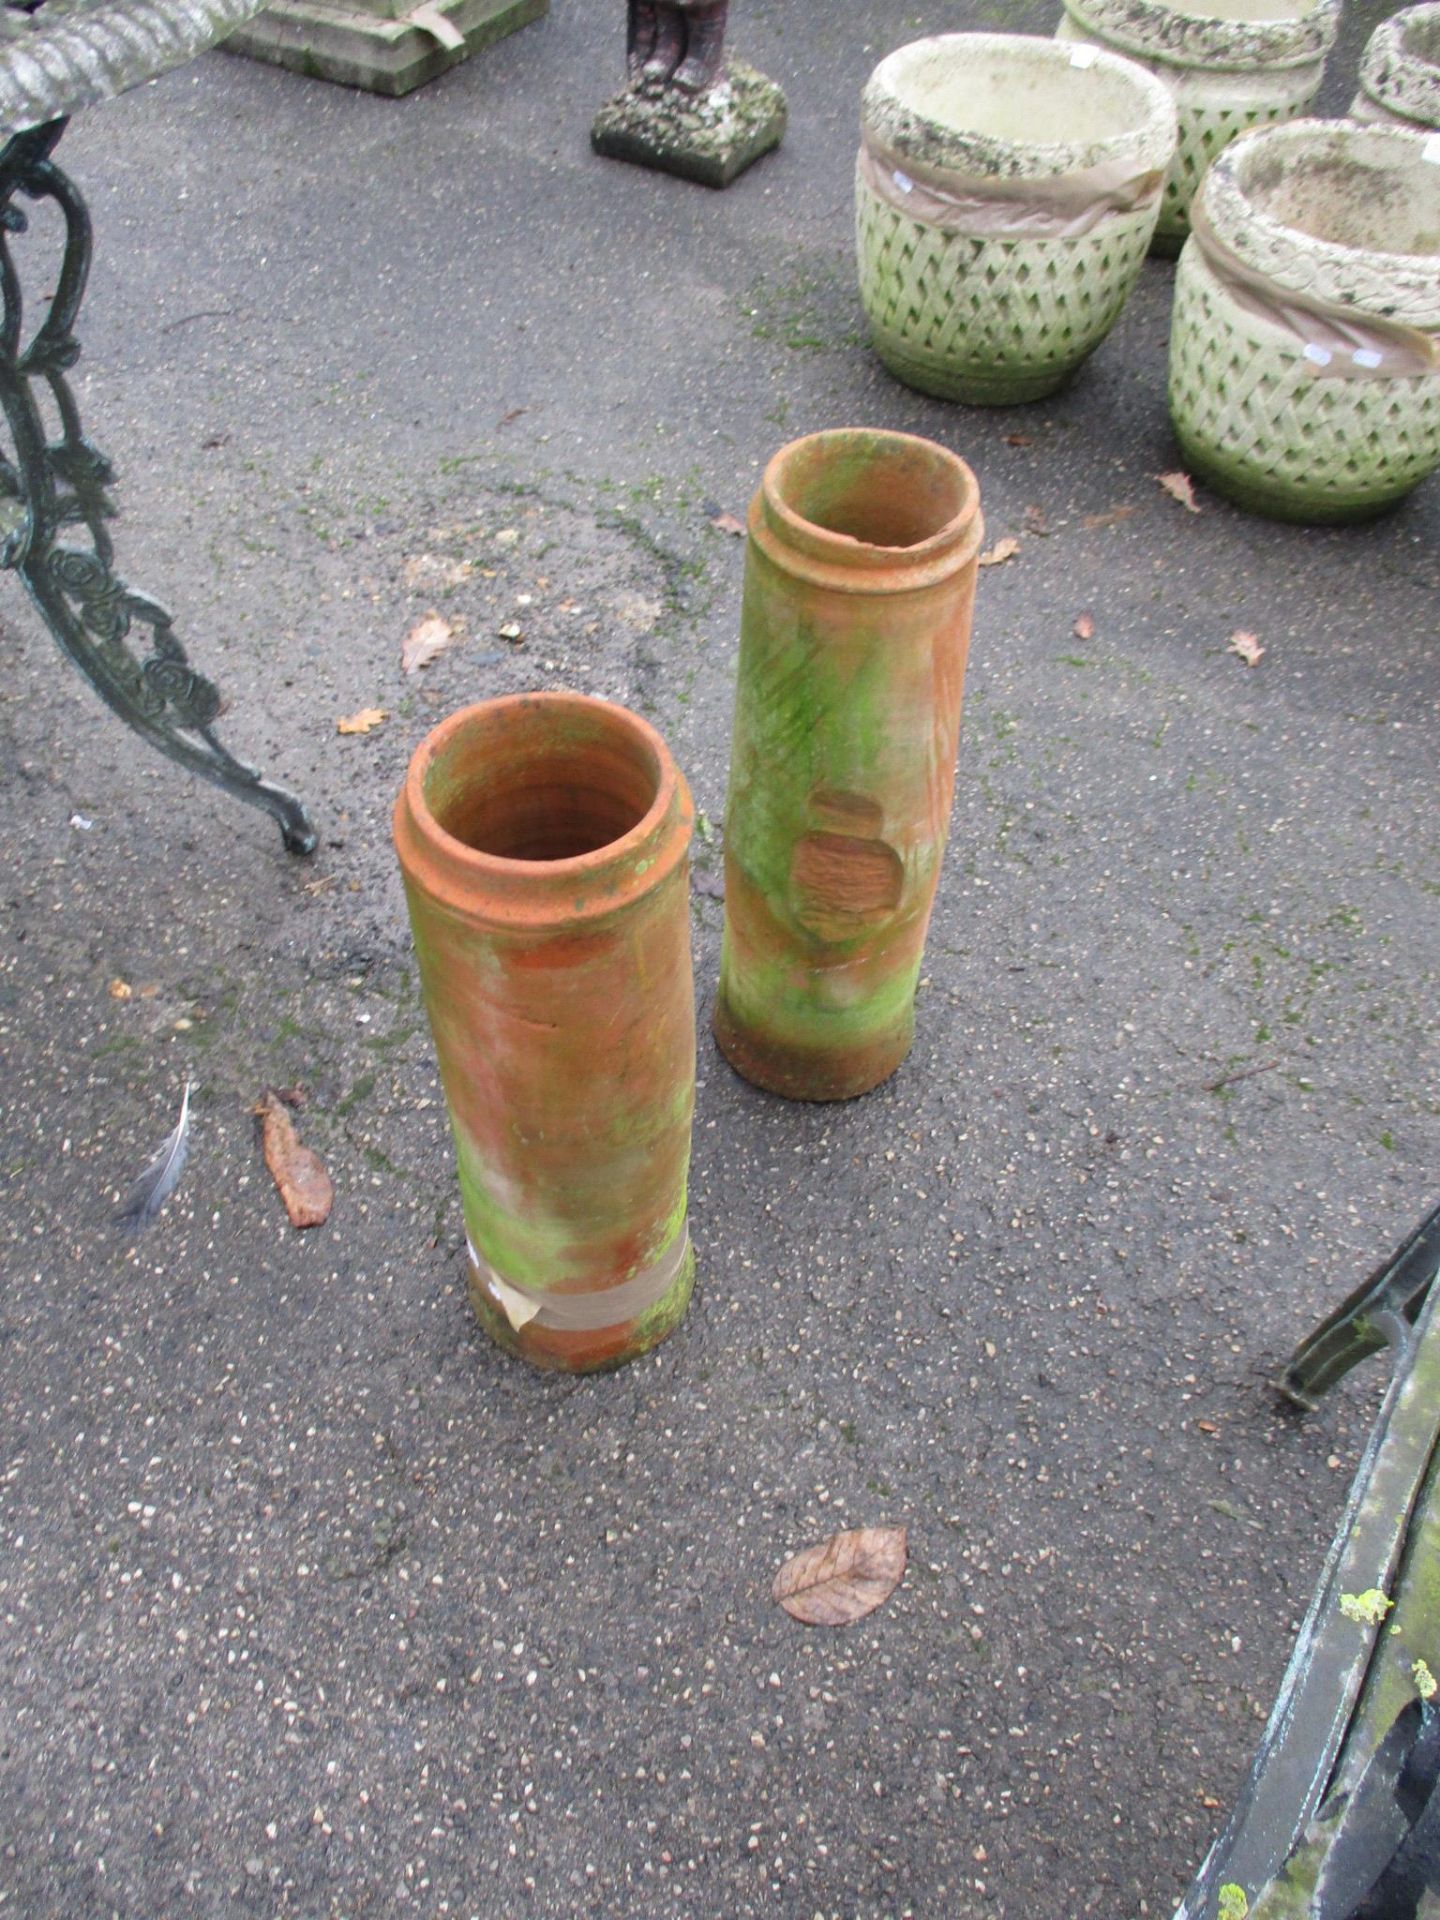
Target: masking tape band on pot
pixel 584 1312
pixel 1336 342
pixel 1059 206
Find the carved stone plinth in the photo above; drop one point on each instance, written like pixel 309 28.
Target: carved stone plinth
pixel 710 137
pixel 385 46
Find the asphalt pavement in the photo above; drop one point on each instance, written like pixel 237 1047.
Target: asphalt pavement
pixel 311 1602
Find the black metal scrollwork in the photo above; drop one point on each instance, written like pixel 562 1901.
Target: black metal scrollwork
pixel 55 487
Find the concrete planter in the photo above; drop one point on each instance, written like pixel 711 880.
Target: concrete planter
pixel 992 262
pixel 1303 357
pixel 1228 69
pixel 1400 74
pixel 543 840
pixel 859 583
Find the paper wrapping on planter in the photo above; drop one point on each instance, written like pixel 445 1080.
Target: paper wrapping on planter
pixel 1060 206
pixel 1335 341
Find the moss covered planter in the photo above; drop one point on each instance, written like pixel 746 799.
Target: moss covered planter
pixel 1006 191
pixel 1400 73
pixel 1304 380
pixel 859 582
pixel 1232 66
pixel 544 844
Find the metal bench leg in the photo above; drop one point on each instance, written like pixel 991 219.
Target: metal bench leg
pixel 122 641
pixel 1358 1326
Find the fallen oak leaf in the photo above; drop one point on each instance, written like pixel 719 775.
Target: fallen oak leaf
pixel 727 523
pixel 1002 551
pixel 842 1579
pixel 364 721
pixel 426 641
pixel 298 1172
pixel 1084 628
pixel 1247 646
pixel 1180 487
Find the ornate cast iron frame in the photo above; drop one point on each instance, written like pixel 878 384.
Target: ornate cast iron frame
pixel 53 487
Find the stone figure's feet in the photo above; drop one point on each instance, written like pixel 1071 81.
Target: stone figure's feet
pixel 704 51
pixel 668 49
pixel 644 31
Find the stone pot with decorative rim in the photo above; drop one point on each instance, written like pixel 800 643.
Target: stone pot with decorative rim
pixel 1305 345
pixel 544 841
pixel 1231 64
pixel 1400 73
pixel 993 259
pixel 859 583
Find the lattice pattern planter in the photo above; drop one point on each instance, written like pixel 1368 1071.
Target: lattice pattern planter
pixel 991 264
pixel 1303 363
pixel 1228 73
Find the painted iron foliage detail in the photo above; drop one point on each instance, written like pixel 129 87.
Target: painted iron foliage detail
pixel 54 486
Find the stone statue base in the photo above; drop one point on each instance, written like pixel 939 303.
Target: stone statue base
pixel 385 46
pixel 709 137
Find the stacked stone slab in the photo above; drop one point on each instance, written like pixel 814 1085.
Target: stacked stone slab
pixel 385 46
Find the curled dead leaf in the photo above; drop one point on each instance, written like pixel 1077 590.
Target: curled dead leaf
pixel 727 523
pixel 1110 518
pixel 1084 627
pixel 1002 551
pixel 844 1578
pixel 365 721
pixel 427 639
pixel 1180 487
pixel 298 1172
pixel 1247 646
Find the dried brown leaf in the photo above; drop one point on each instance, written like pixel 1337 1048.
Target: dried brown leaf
pixel 844 1578
pixel 298 1173
pixel 513 413
pixel 1084 627
pixel 1247 646
pixel 1111 518
pixel 1002 551
pixel 1035 522
pixel 365 721
pixel 727 523
pixel 425 641
pixel 1019 440
pixel 120 990
pixel 1179 487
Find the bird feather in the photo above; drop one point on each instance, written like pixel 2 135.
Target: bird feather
pixel 162 1175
